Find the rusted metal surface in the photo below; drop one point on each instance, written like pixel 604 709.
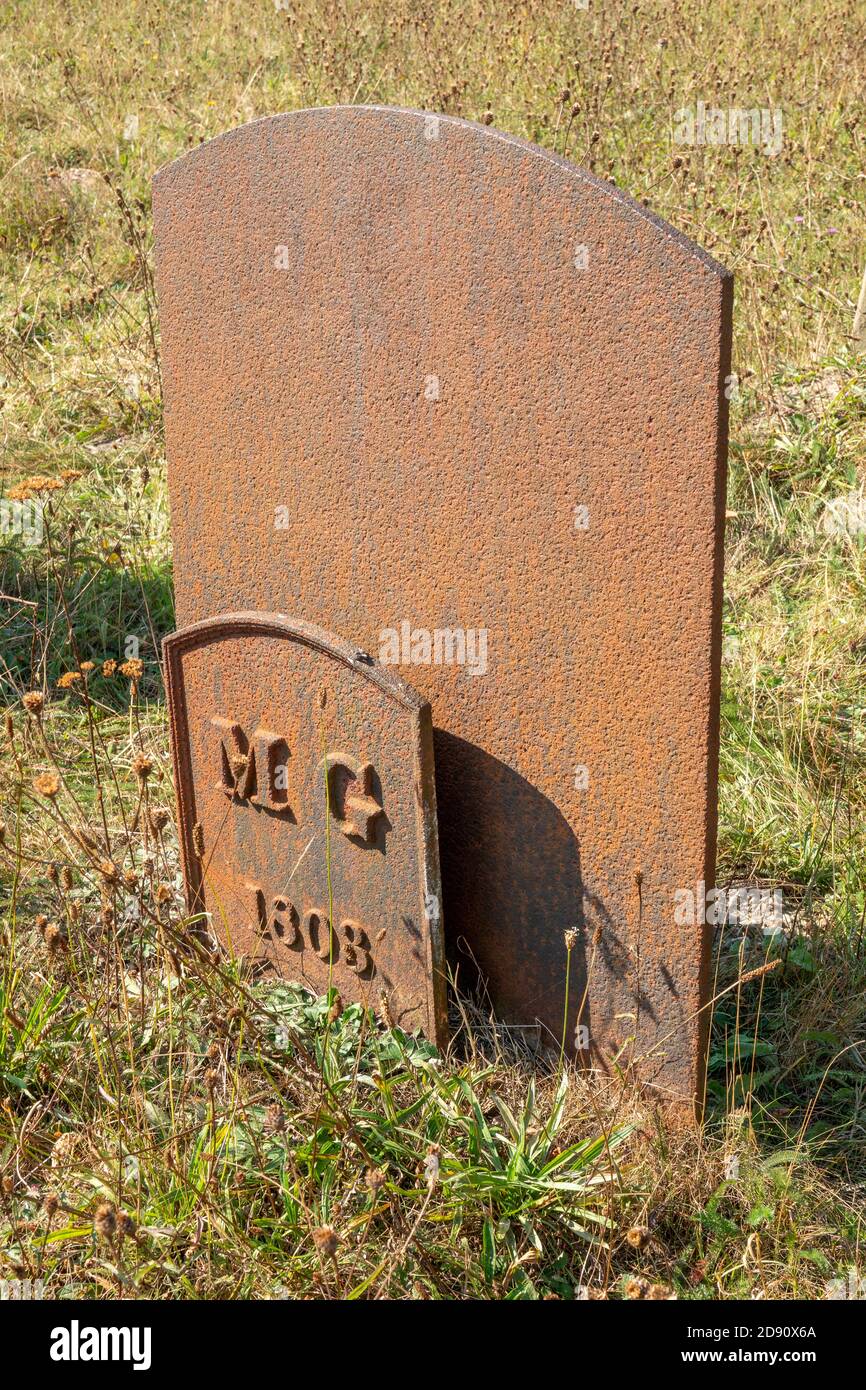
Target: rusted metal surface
pixel 307 810
pixel 423 376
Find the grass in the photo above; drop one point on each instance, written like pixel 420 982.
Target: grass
pixel 172 1126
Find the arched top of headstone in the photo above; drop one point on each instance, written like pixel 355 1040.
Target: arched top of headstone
pixel 232 626
pixel 412 144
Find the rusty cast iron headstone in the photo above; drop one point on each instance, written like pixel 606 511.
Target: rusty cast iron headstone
pixel 461 402
pixel 307 810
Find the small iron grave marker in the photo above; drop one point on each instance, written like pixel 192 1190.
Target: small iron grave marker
pixel 307 810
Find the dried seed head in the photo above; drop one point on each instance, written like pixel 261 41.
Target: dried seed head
pixel 570 939
pixel 322 697
pixel 275 1120
pixel 133 669
pixel 69 680
pixel 47 784
pixel 385 1010
pixel 30 486
pixel 105 1220
pixel 40 922
pixel 596 936
pixel 431 1166
pixel 66 877
pixel 84 839
pixel 336 1009
pixel 142 767
pixel 161 893
pixel 109 871
pixel 210 1079
pixel 126 1227
pixel 761 970
pixel 130 880
pixel 158 819
pixel 659 1291
pixel 54 938
pixel 7 1184
pixel 638 1237
pixel 63 1149
pixel 109 668
pixel 376 1179
pixel 51 1203
pixel 198 839
pixel 634 1288
pixel 34 702
pixel 10 726
pixel 326 1241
